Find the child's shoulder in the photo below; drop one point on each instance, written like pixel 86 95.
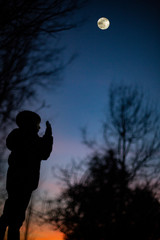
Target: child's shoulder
pixel 12 137
pixel 14 132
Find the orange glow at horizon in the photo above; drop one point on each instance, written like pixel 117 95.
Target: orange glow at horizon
pixel 49 235
pixel 42 233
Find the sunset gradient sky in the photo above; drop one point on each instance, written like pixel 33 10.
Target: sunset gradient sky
pixel 127 52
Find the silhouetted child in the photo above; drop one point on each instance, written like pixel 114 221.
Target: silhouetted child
pixel 27 151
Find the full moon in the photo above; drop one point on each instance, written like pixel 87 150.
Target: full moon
pixel 103 23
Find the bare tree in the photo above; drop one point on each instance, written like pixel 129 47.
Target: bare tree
pixel 27 60
pixel 133 131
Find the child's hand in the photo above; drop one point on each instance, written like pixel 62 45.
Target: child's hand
pixel 48 129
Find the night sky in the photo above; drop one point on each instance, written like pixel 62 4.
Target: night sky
pixel 127 52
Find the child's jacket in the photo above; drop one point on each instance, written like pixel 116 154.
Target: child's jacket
pixel 27 151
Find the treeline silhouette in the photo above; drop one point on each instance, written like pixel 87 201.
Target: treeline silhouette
pixel 117 196
pixel 103 206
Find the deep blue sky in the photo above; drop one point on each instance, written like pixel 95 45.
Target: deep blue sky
pixel 127 52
